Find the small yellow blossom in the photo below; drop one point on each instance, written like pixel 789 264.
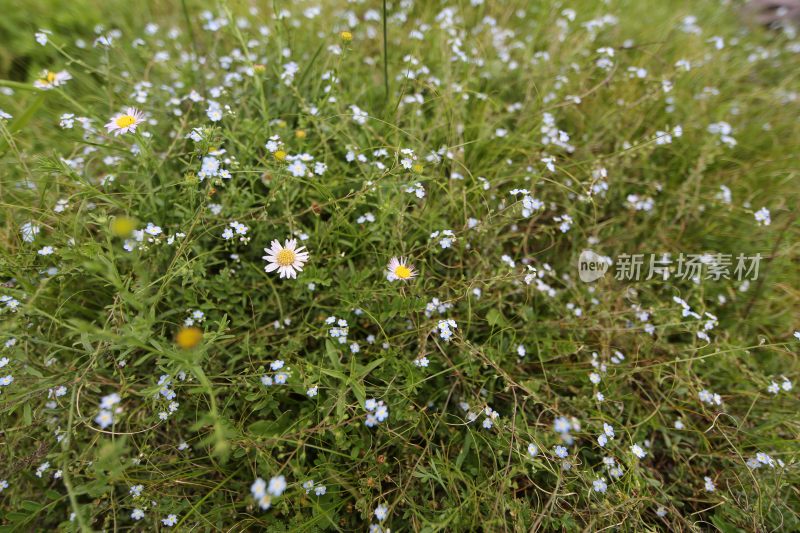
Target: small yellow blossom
pixel 188 338
pixel 123 226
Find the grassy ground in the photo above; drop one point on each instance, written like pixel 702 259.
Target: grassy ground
pixel 531 131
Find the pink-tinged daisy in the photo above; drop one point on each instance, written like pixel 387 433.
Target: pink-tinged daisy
pixel 400 269
pixel 288 259
pixel 125 122
pixel 52 79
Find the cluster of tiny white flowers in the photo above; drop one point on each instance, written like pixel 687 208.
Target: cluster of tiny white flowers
pixel 563 426
pixel 416 189
pixel 166 395
pixel 150 235
pixel 709 398
pixel 490 417
pixel 446 329
pixel 236 228
pixel 105 416
pixel 377 412
pixel 446 237
pixel 774 388
pixel 359 115
pixel 366 217
pixel 530 204
pixel 339 329
pixel 10 303
pixel 263 493
pixel 421 361
pixel 640 203
pixel 762 459
pixel 552 135
pixel 212 167
pixel 437 306
pixel 318 489
pixel 280 376
pixel 608 433
pixel 304 166
pixel 195 317
pixel 724 132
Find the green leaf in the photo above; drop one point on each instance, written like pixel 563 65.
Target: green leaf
pixel 364 371
pixel 464 450
pixel 271 428
pixel 333 353
pixel 495 318
pixel 31 506
pixel 358 391
pixel 22 120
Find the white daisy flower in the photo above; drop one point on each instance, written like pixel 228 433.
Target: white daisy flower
pixel 124 122
pixel 399 268
pixel 287 259
pixel 51 79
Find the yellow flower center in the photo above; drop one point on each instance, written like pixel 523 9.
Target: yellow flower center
pixel 125 120
pixel 123 226
pixel 188 337
pixel 51 77
pixel 402 272
pixel 285 257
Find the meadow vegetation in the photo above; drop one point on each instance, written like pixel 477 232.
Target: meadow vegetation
pixel 306 266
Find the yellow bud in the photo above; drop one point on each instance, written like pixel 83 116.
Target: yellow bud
pixel 418 168
pixel 346 36
pixel 260 69
pixel 188 338
pixel 300 134
pixel 122 226
pixel 280 155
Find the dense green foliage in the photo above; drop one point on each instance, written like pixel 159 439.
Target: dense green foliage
pixel 531 131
